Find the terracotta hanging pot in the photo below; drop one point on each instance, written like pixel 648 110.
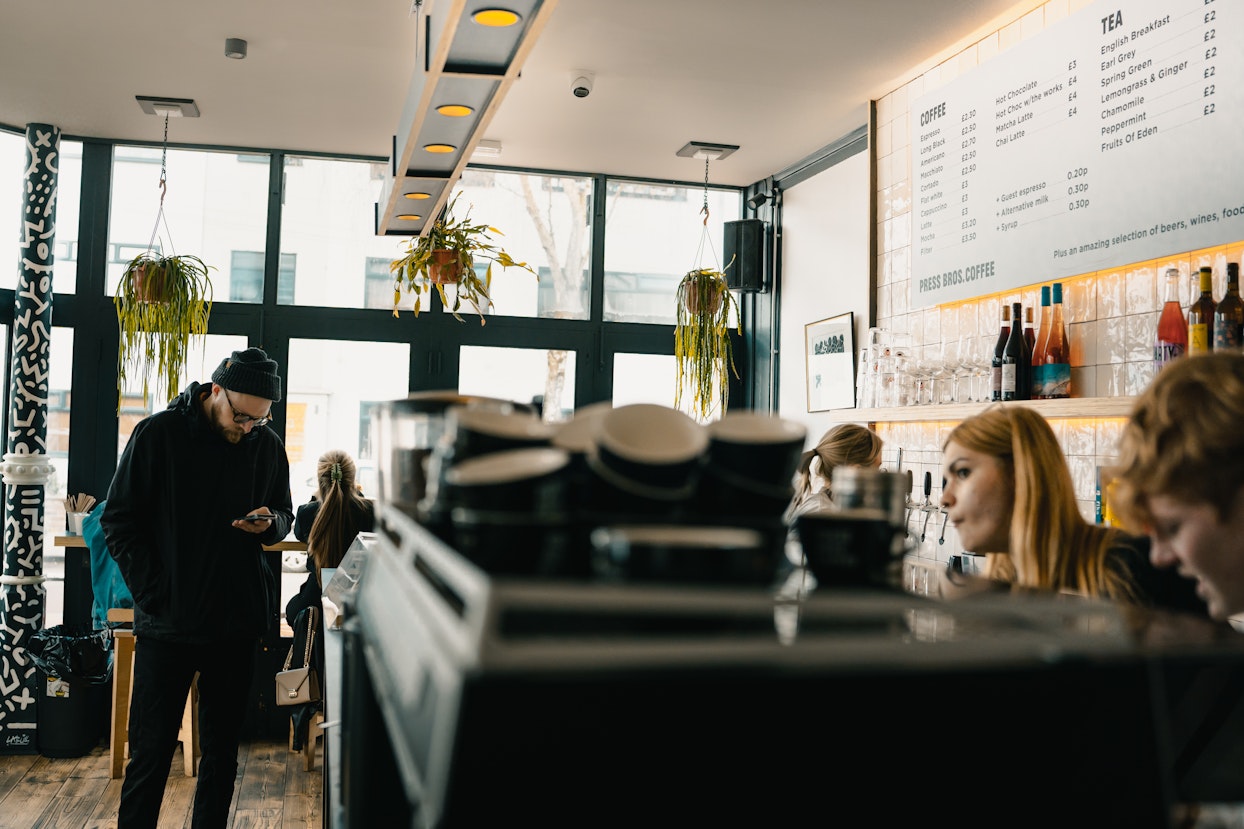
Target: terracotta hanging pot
pixel 444 267
pixel 692 301
pixel 150 284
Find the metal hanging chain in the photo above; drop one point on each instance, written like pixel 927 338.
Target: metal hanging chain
pixel 163 192
pixel 704 209
pixel 699 254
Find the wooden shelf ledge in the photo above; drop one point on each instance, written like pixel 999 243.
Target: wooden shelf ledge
pixel 1066 407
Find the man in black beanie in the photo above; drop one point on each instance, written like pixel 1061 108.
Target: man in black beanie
pixel 204 594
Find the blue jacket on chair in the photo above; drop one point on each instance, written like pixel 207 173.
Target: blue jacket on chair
pixel 107 583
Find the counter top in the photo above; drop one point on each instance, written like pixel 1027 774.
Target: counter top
pixel 280 546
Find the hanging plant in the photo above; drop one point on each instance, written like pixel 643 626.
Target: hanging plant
pixel 161 301
pixel 702 347
pixel 446 255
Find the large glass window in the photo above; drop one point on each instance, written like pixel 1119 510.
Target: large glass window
pixel 328 225
pixel 545 222
pixel 60 370
pixel 333 387
pixel 523 375
pixel 653 235
pixel 644 378
pixel 68 197
pixel 215 203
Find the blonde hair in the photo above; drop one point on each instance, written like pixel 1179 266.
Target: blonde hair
pixel 848 444
pixel 336 523
pixel 1183 438
pixel 1052 547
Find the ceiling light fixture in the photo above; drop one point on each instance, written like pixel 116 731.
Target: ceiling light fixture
pixel 235 47
pixel 496 18
pixel 705 150
pixel 471 59
pixel 168 107
pixel 410 217
pixel 758 201
pixel 418 196
pixel 487 148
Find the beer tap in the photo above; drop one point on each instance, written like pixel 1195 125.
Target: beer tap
pixel 927 506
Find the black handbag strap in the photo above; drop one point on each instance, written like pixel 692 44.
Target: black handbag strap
pixel 306 657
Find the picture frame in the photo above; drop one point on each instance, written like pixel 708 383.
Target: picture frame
pixel 830 360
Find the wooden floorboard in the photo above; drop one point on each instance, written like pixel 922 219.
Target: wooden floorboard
pixel 273 791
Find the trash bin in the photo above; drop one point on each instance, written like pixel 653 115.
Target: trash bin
pixel 72 664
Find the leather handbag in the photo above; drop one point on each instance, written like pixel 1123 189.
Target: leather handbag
pixel 296 686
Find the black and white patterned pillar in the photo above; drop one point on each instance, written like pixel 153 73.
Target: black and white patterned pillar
pixel 26 468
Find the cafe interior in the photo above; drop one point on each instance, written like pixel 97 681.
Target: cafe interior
pixel 550 647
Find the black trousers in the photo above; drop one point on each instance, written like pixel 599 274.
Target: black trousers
pixel 162 675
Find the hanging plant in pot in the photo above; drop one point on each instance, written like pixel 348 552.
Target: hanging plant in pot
pixel 702 347
pixel 161 301
pixel 446 255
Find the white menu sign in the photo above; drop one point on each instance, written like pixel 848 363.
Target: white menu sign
pixel 1112 137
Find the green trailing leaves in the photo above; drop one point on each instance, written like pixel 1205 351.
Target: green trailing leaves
pixel 452 244
pixel 161 301
pixel 702 347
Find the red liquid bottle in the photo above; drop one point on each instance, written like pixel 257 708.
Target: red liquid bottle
pixel 1172 339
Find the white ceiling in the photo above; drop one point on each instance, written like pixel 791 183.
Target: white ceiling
pixel 779 78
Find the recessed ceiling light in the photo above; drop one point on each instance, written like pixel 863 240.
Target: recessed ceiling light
pixel 440 148
pixel 409 217
pixel 418 195
pixel 495 17
pixel 454 110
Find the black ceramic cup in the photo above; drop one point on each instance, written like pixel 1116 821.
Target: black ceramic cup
pixel 651 445
pixel 756 447
pixel 527 481
pixel 683 554
pixel 846 549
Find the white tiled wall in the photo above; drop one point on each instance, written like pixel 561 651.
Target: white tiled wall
pixel 1111 315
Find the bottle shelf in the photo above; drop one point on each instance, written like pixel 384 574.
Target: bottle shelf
pixel 1066 407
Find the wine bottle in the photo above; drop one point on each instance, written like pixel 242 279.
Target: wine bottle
pixel 1056 377
pixel 1038 347
pixel 1229 315
pixel 1003 333
pixel 1016 360
pixel 1172 339
pixel 1201 315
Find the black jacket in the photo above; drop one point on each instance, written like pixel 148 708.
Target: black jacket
pixel 168 522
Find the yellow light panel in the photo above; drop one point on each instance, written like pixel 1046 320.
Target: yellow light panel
pixel 454 110
pixel 409 217
pixel 495 17
pixel 440 148
pixel 418 195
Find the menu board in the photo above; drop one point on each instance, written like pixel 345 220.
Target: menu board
pixel 1111 137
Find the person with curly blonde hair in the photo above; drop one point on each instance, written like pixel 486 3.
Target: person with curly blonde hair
pixel 1180 474
pixel 1009 494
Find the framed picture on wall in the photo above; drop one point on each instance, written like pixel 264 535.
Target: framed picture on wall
pixel 830 347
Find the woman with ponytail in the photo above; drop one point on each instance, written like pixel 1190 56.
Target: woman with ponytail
pixel 848 444
pixel 328 523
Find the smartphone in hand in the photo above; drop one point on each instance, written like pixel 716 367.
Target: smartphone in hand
pixel 258 516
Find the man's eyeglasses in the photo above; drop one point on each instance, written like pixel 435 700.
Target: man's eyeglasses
pixel 242 418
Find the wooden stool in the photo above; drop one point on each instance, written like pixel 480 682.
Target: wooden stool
pixel 122 688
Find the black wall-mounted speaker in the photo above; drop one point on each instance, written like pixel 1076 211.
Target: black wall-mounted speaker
pixel 744 245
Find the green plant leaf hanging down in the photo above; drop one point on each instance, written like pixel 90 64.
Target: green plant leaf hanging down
pixel 702 348
pixel 446 256
pixel 161 302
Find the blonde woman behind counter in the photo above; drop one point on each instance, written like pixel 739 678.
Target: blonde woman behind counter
pixel 1009 494
pixel 847 444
